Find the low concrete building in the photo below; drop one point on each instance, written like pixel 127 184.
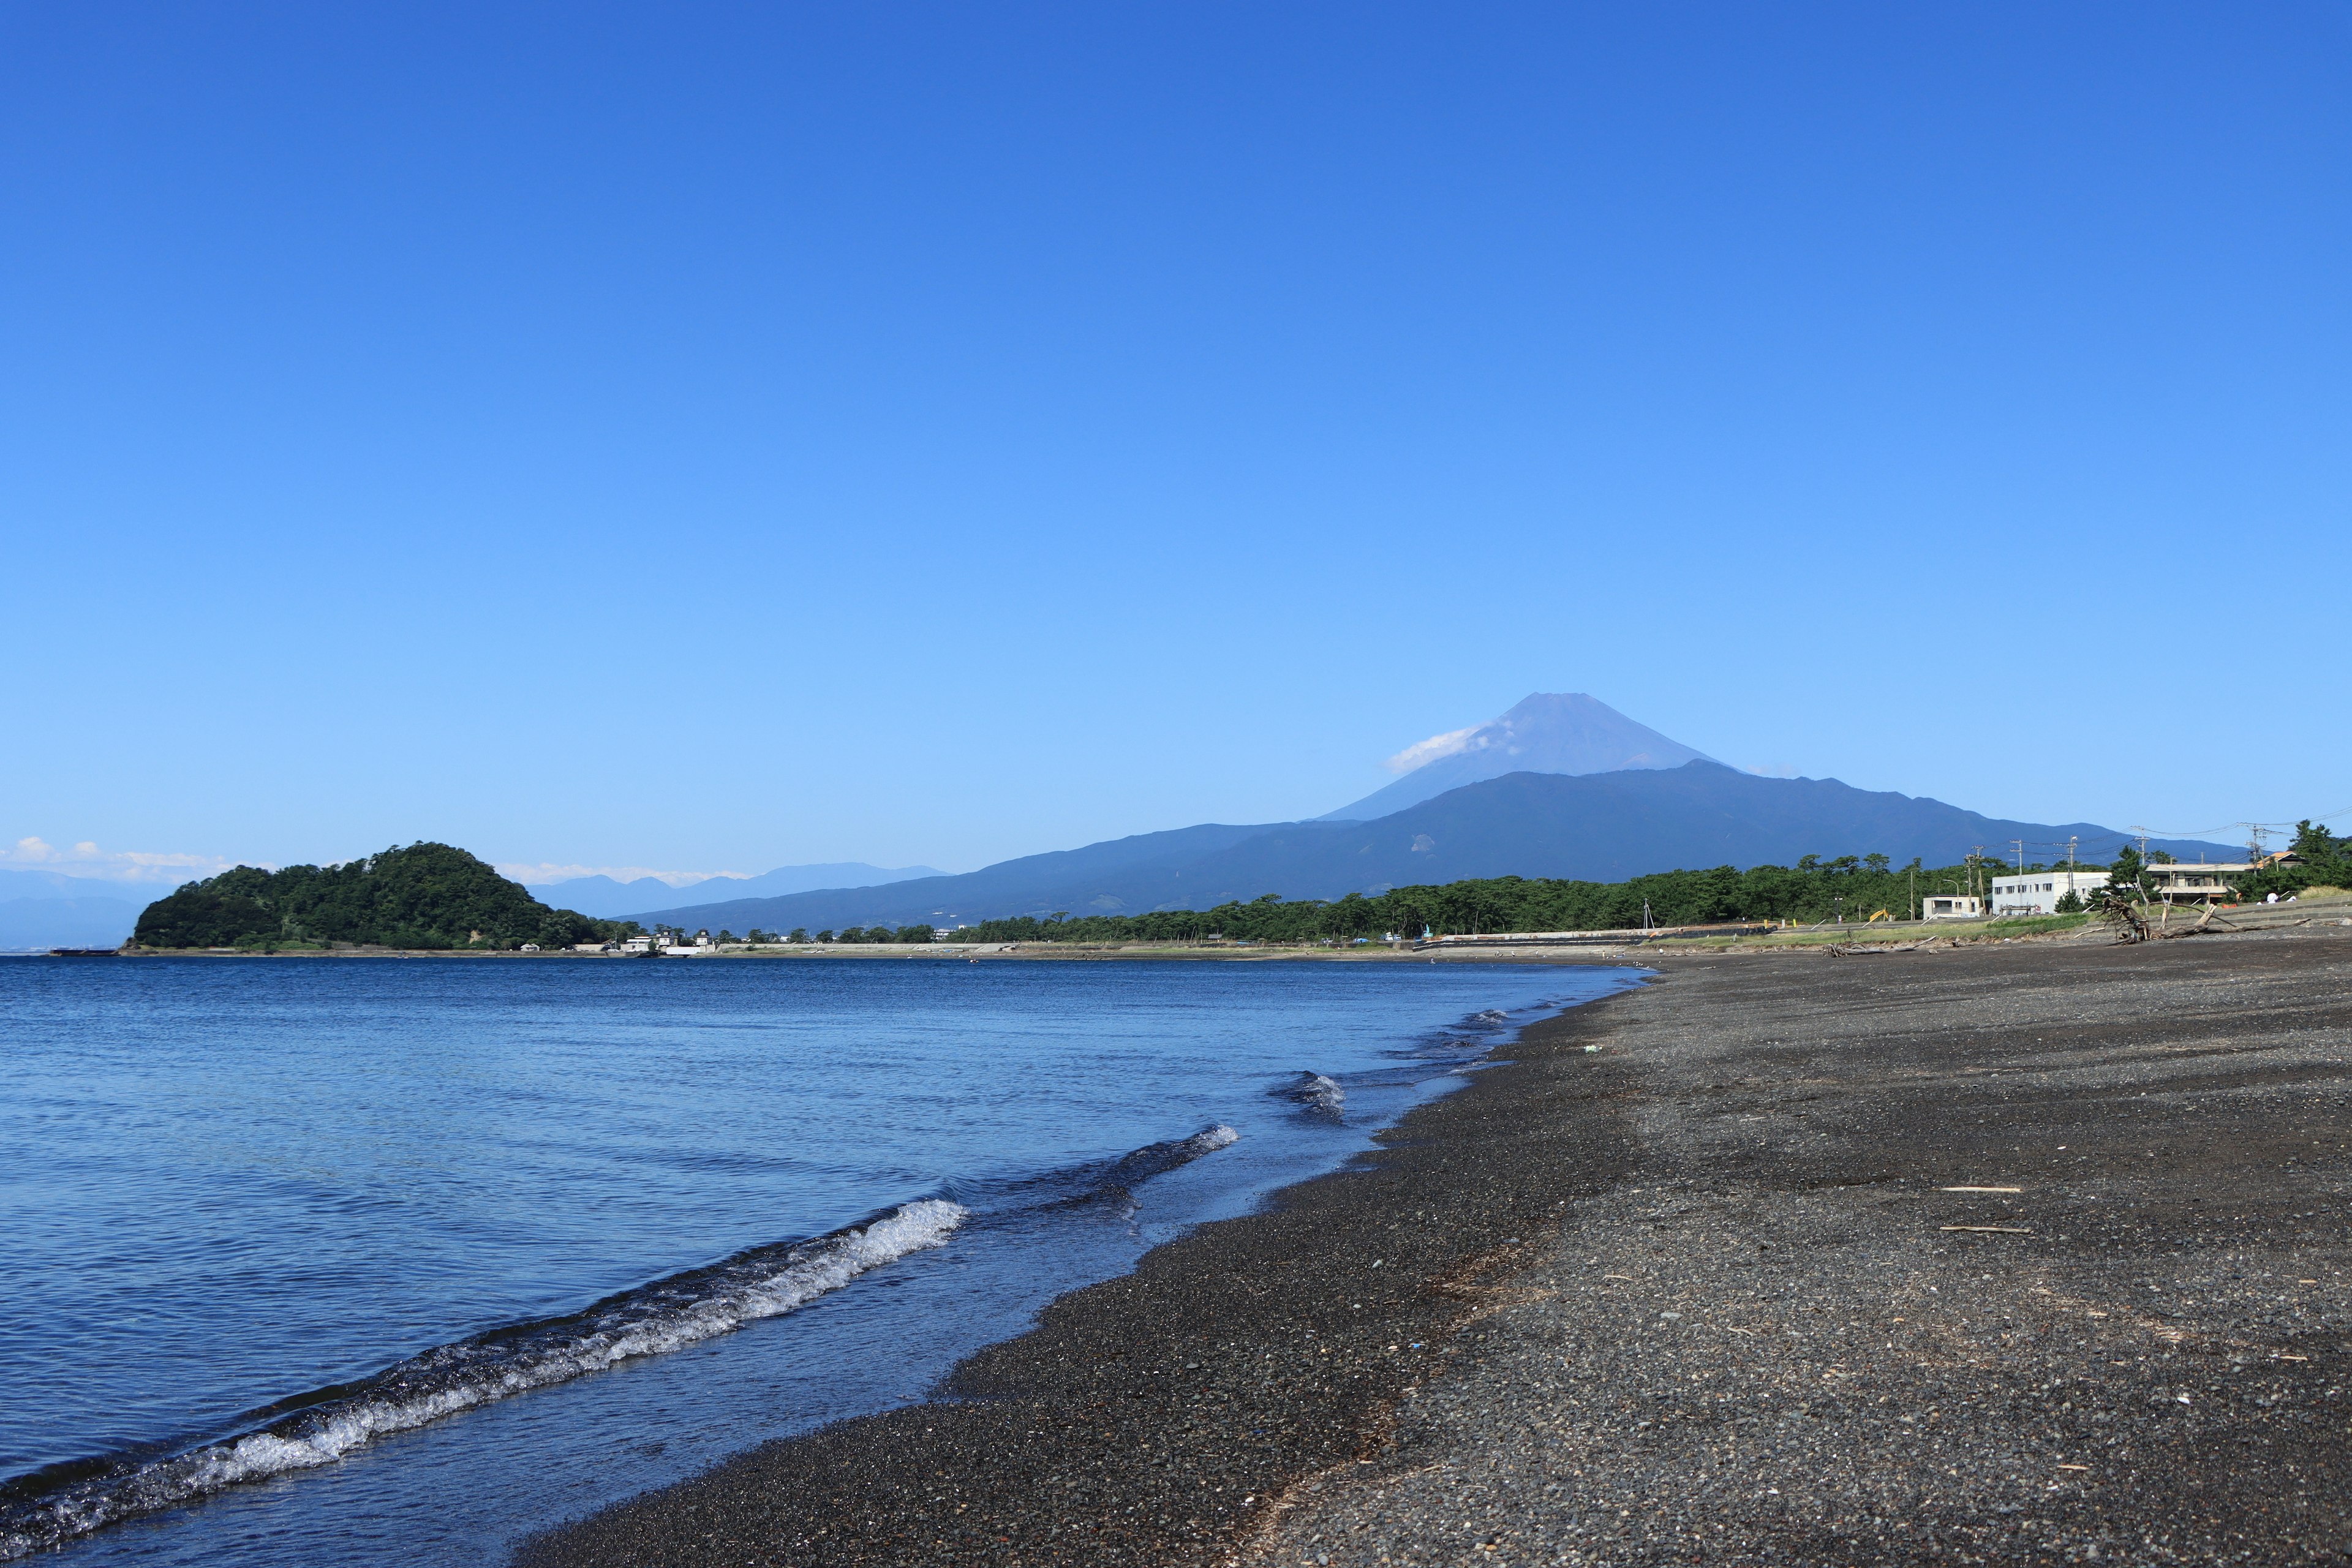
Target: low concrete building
pixel 1951 906
pixel 2200 884
pixel 2038 892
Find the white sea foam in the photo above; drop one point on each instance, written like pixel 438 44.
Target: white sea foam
pixel 664 1317
pixel 1315 1094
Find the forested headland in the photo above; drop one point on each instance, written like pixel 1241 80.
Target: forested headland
pixel 433 897
pixel 1852 887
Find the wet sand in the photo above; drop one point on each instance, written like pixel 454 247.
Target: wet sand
pixel 1700 1296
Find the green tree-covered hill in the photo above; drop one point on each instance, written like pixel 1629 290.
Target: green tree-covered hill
pixel 1855 887
pixel 431 896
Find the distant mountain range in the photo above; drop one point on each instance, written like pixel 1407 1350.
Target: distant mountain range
pixel 607 898
pixel 1572 820
pixel 1548 733
pixel 42 909
pixel 1561 787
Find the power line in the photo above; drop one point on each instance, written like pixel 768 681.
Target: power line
pixel 2226 826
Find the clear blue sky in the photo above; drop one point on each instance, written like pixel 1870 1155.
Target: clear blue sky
pixel 695 437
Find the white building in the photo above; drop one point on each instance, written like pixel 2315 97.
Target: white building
pixel 2038 892
pixel 1950 907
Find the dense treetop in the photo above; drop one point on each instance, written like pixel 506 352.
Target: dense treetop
pixel 431 896
pixel 1812 889
pixel 2321 859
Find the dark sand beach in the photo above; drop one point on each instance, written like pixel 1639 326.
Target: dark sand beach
pixel 1700 1295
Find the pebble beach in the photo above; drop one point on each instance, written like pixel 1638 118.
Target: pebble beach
pixel 2019 1253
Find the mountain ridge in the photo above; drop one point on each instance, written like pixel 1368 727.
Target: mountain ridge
pixel 608 898
pixel 1594 827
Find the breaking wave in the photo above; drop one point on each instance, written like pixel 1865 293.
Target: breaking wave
pixel 62 1503
pixel 1315 1094
pixel 56 1505
pixel 1153 1158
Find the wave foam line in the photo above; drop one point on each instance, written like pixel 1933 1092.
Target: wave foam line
pixel 666 1315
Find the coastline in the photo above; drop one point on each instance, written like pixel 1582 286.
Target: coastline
pixel 944 952
pixel 1159 1415
pixel 1707 1293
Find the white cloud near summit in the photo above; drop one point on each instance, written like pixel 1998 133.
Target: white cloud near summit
pixel 1421 754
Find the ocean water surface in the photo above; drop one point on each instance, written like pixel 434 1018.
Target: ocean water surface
pixel 378 1261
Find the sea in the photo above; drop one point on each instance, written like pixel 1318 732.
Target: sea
pixel 402 1260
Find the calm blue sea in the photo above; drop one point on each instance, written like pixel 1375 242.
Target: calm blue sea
pixel 382 1261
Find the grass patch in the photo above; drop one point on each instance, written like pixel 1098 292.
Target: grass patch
pixel 2033 925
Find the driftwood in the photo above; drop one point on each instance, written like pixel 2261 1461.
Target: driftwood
pixel 2120 914
pixel 2204 924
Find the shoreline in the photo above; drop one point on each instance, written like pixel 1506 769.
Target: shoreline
pixel 947 952
pixel 1159 1415
pixel 1721 1290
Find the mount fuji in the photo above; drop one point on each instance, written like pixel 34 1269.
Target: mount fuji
pixel 1548 733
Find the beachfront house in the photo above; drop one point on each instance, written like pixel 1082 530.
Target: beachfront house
pixel 2038 892
pixel 2200 884
pixel 1950 907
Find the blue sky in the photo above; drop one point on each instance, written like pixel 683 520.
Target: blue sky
pixel 701 438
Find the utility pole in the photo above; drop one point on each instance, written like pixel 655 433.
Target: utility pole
pixel 1914 892
pixel 2021 855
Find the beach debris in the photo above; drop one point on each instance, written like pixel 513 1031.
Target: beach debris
pixel 1995 1229
pixel 2117 911
pixel 1980 1189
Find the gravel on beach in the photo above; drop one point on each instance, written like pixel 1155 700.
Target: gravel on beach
pixel 1690 1281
